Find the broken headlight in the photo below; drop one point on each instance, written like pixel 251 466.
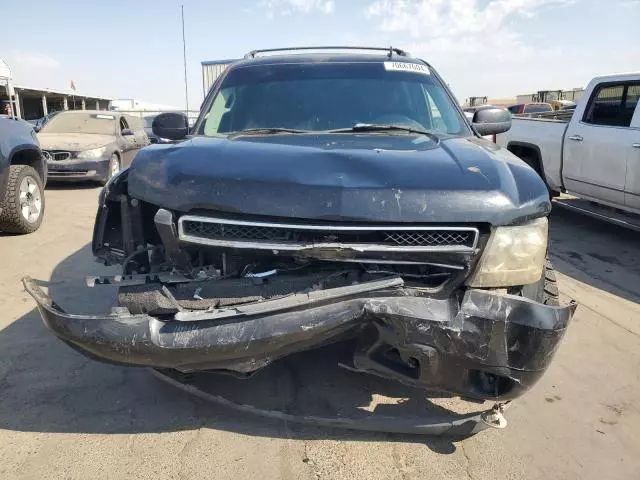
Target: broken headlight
pixel 513 256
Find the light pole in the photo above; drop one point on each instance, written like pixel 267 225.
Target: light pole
pixel 184 58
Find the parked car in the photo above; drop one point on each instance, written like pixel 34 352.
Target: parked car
pixel 23 175
pixel 595 154
pixel 26 123
pixel 318 198
pixel 91 145
pixel 42 121
pixel 528 108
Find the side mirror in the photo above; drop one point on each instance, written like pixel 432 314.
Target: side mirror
pixel 36 128
pixel 490 121
pixel 127 132
pixel 171 125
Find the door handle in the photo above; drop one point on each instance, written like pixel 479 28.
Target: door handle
pixel 635 145
pixel 576 138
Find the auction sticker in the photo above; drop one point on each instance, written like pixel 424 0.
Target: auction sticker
pixel 407 67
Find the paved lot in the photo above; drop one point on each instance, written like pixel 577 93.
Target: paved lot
pixel 63 416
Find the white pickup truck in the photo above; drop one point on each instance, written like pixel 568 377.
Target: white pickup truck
pixel 595 154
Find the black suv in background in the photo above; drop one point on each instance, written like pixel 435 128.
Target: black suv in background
pixel 322 197
pixel 23 175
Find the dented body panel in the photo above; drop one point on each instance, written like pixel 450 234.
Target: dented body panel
pixel 390 178
pixel 471 346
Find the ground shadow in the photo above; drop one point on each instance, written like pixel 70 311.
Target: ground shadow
pixel 80 185
pixel 595 252
pixel 45 386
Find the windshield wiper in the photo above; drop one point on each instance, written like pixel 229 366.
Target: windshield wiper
pixel 265 131
pixel 376 127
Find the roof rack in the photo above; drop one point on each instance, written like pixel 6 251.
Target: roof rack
pixel 390 50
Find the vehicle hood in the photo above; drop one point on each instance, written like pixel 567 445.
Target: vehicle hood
pixel 73 142
pixel 347 177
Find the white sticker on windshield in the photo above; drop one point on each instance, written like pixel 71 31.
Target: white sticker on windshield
pixel 105 117
pixel 407 67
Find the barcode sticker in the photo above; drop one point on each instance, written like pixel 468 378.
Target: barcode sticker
pixel 407 67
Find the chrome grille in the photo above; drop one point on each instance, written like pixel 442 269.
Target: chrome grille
pixel 59 155
pixel 267 235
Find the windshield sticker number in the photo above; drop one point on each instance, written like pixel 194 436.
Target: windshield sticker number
pixel 407 67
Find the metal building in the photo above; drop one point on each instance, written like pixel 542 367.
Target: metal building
pixel 211 70
pixel 31 103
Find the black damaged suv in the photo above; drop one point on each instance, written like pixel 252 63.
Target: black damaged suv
pixel 322 197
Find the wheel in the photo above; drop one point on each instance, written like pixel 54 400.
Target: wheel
pixel 114 167
pixel 544 290
pixel 22 208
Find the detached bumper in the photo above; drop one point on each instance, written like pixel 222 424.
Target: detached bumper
pixel 485 346
pixel 78 170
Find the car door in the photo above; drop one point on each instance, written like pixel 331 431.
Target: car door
pixel 139 135
pixel 597 147
pixel 128 144
pixel 632 187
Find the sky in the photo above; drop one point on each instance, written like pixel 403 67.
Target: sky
pixel 494 48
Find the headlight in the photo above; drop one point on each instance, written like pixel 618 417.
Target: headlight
pixel 91 154
pixel 513 256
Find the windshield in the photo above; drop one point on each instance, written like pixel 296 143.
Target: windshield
pixel 102 124
pixel 331 95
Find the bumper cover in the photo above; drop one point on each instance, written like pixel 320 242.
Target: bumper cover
pixel 78 169
pixel 485 345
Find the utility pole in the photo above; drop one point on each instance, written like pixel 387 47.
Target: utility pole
pixel 184 58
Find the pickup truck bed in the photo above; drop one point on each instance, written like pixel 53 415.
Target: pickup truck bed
pixel 542 135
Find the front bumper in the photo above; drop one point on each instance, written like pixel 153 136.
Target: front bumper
pixel 484 345
pixel 77 170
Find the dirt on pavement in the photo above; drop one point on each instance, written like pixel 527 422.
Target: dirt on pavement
pixel 65 416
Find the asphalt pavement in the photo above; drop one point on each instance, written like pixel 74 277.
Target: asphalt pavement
pixel 65 416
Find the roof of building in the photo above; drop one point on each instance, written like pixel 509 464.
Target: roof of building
pixel 68 93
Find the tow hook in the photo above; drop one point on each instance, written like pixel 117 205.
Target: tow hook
pixel 495 417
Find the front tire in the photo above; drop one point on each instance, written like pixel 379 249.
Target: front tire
pixel 112 169
pixel 23 206
pixel 544 290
